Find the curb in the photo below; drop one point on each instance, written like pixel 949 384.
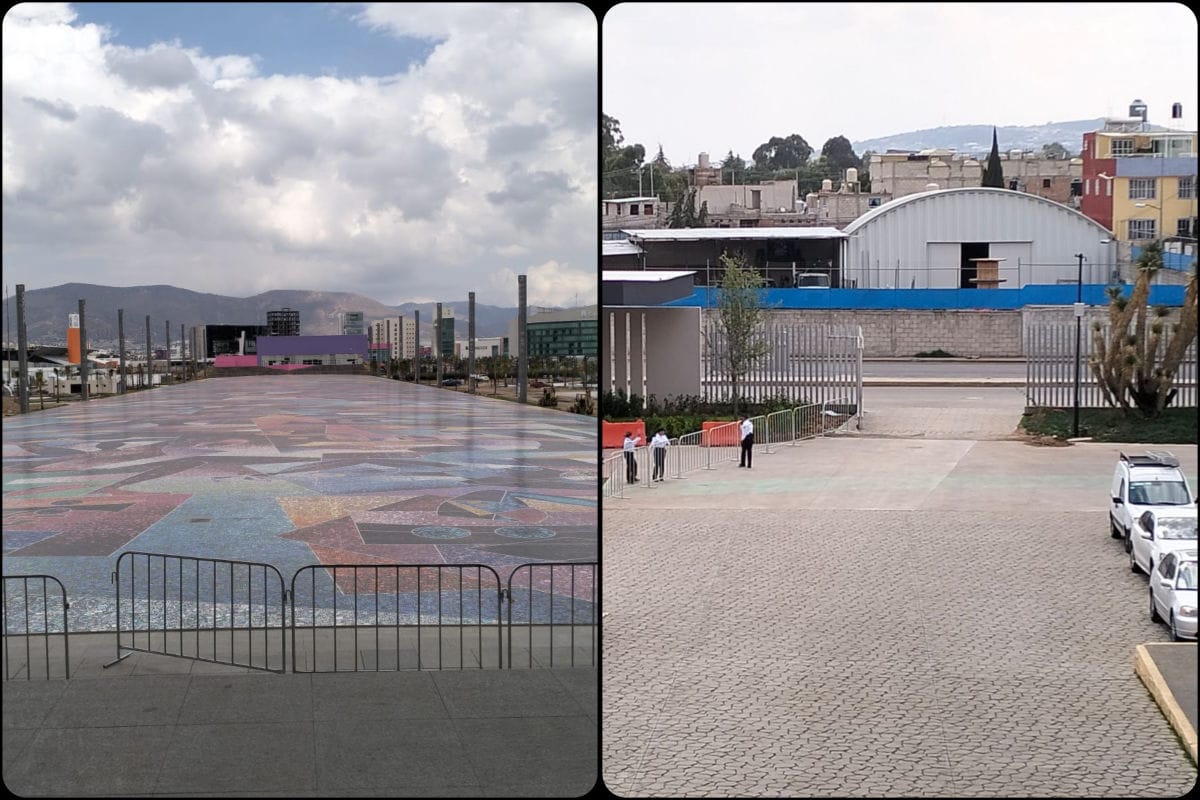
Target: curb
pixel 981 382
pixel 1144 666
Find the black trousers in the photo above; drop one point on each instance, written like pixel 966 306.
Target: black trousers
pixel 630 467
pixel 747 450
pixel 660 462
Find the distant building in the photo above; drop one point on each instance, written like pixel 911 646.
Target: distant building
pixel 486 346
pixel 444 337
pixel 618 213
pixel 899 174
pixel 311 351
pixel 228 339
pixel 566 332
pixel 394 337
pixel 351 323
pixel 1139 180
pixel 284 322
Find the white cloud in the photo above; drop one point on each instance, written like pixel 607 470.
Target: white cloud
pixel 730 76
pixel 165 165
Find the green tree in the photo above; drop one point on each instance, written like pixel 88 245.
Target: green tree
pixel 993 171
pixel 1055 150
pixel 740 319
pixel 732 162
pixel 40 380
pixel 1137 362
pixel 622 163
pixel 839 155
pixel 782 153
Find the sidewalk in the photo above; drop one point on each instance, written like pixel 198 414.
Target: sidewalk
pixel 156 725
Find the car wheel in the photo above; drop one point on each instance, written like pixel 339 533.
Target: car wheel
pixel 1113 530
pixel 1128 543
pixel 1154 617
pixel 1133 565
pixel 1175 637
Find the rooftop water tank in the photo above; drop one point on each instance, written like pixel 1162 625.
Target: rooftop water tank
pixel 827 185
pixel 931 187
pixel 704 161
pixel 1138 109
pixel 852 175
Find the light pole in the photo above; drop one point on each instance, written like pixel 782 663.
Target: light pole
pixel 1159 232
pixel 1078 337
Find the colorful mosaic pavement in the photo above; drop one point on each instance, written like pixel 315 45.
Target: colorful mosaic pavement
pixel 290 471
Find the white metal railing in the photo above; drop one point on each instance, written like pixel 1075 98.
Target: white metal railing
pixel 722 443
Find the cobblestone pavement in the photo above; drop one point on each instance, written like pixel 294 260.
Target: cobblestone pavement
pixel 964 629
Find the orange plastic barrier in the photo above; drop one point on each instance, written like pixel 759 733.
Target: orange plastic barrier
pixel 729 436
pixel 614 433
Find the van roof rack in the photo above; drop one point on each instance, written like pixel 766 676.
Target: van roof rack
pixel 1151 459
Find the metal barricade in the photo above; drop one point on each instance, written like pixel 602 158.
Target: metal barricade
pixel 210 609
pixel 614 476
pixel 410 616
pixel 571 627
pixel 686 453
pixel 778 427
pixel 21 623
pixel 721 443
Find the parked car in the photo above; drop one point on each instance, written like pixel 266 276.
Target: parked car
pixel 1158 532
pixel 1173 593
pixel 451 382
pixel 1141 482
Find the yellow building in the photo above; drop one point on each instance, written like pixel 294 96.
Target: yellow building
pixel 1140 184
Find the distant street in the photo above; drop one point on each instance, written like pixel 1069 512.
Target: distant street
pixel 944 369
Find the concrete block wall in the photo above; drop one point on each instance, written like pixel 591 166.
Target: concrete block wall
pixel 893 333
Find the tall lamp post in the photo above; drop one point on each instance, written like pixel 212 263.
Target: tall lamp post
pixel 1078 339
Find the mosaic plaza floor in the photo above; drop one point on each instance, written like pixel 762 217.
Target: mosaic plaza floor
pixel 297 470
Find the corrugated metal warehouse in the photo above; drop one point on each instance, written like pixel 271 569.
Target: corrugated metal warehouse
pixel 936 239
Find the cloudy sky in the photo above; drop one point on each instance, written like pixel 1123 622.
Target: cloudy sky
pixel 407 152
pixel 716 77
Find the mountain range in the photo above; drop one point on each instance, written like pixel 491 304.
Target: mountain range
pixel 46 312
pixel 977 139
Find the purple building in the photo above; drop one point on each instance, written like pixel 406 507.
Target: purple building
pixel 310 351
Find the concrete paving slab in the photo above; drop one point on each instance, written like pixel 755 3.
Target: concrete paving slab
pixel 258 756
pixel 98 703
pixel 508 693
pixel 384 695
pixel 106 760
pixel 385 753
pixel 544 759
pixel 221 699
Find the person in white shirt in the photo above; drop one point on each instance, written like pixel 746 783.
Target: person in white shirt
pixel 630 463
pixel 658 446
pixel 747 442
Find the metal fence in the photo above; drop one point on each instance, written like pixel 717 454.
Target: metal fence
pixel 28 619
pixel 722 443
pixel 204 609
pixel 568 631
pixel 393 617
pixel 1050 369
pixel 804 363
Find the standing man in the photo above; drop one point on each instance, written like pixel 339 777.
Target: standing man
pixel 658 446
pixel 747 442
pixel 630 463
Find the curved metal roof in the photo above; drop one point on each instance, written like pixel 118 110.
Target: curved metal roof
pixel 938 194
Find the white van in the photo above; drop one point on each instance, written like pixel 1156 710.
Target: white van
pixel 1142 482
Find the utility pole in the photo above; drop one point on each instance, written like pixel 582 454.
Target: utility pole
pixel 22 357
pixel 471 342
pixel 83 348
pixel 417 324
pixel 121 345
pixel 149 356
pixel 437 346
pixel 168 327
pixel 522 344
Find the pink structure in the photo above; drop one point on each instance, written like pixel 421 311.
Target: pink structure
pixel 235 361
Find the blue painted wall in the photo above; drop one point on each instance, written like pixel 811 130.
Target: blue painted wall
pixel 1176 261
pixel 1030 295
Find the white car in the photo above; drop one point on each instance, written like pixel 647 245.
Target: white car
pixel 1173 593
pixel 1159 531
pixel 1141 482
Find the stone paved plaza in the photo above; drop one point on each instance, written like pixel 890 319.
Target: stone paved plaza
pixel 292 470
pixel 880 617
